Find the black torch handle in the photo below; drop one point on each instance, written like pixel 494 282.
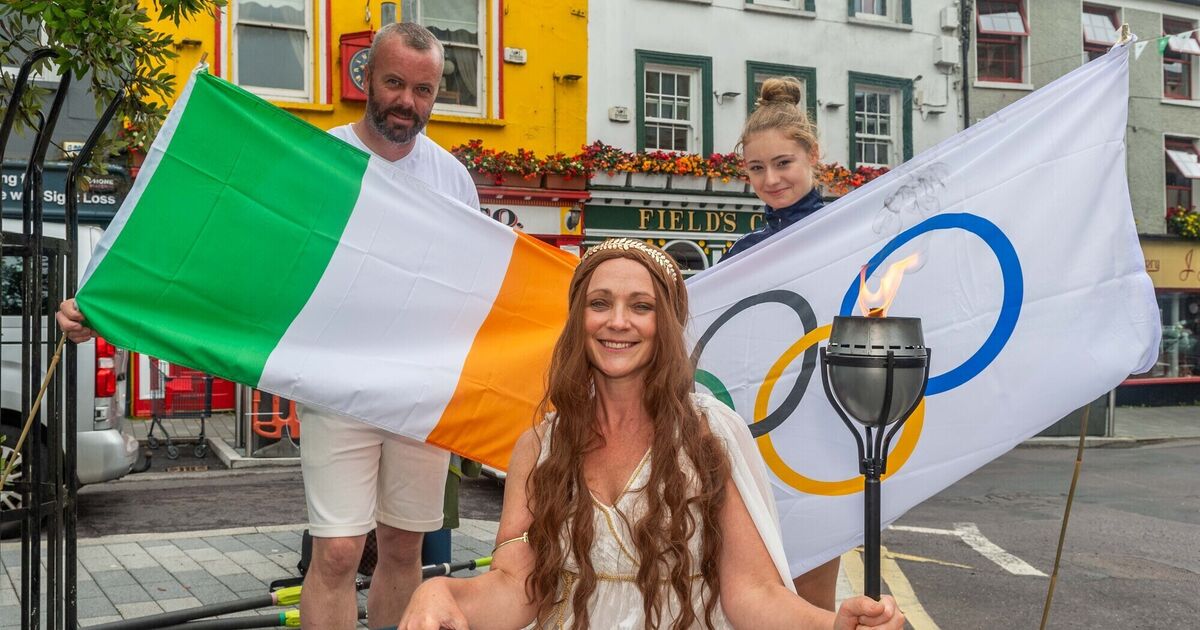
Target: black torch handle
pixel 871 537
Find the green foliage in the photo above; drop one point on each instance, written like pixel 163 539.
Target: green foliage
pixel 110 44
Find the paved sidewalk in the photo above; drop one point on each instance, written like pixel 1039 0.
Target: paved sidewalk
pixel 1131 425
pixel 127 576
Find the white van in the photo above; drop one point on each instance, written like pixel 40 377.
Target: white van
pixel 106 447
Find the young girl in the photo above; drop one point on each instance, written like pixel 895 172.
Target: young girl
pixel 780 148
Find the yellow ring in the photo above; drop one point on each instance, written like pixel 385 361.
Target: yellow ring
pixel 909 434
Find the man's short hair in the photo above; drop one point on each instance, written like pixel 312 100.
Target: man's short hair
pixel 413 36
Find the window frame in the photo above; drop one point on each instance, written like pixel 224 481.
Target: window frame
pixel 479 110
pixel 903 90
pixel 804 73
pixel 1101 48
pixel 702 66
pixel 305 95
pixel 1020 41
pixel 794 5
pixel 897 12
pixel 1189 64
pixel 1178 143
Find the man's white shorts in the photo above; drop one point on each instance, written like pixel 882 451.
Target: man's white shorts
pixel 356 475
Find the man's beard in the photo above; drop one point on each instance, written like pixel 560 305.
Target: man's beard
pixel 379 120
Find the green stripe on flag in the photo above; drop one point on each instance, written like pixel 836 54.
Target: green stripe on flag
pixel 230 236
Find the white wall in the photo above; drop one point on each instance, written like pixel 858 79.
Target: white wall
pixel 731 34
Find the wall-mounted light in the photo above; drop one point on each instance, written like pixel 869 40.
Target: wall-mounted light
pixel 722 96
pixel 567 78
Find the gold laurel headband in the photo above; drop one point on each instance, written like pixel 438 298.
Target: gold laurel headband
pixel 624 244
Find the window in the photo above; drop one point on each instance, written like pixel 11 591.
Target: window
pixel 1179 354
pixel 874 126
pixel 273 50
pixel 881 131
pixel 1183 168
pixel 670 111
pixel 882 10
pixel 674 107
pixel 1000 45
pixel 458 24
pixel 1100 27
pixel 806 5
pixel 689 256
pixel 758 72
pixel 1179 59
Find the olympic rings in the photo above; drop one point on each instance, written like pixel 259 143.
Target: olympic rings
pixel 763 422
pixel 807 319
pixel 1010 307
pixel 909 433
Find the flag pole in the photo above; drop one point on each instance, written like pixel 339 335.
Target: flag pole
pixel 1062 534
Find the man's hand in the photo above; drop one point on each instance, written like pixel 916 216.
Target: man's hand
pixel 433 608
pixel 864 612
pixel 70 320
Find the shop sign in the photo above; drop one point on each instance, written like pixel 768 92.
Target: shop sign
pixel 98 197
pixel 535 219
pixel 705 221
pixel 1173 264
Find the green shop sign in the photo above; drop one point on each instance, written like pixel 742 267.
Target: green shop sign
pixel 682 220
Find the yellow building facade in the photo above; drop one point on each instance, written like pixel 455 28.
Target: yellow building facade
pixel 515 73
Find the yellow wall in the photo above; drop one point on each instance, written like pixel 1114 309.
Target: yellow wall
pixel 539 113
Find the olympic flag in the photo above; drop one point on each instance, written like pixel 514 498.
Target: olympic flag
pixel 1031 288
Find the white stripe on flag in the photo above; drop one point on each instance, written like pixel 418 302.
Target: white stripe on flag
pixel 387 329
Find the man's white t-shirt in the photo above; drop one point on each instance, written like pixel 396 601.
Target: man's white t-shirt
pixel 427 162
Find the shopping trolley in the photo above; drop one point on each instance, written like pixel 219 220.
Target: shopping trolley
pixel 178 393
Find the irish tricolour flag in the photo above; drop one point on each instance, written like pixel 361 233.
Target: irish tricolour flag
pixel 265 251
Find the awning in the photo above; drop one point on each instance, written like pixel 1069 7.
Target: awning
pixel 1188 162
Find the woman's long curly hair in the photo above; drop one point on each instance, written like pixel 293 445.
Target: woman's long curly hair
pixel 559 498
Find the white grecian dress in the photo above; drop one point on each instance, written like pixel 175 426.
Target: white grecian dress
pixel 617 602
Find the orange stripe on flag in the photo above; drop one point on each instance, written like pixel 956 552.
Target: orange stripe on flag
pixel 503 378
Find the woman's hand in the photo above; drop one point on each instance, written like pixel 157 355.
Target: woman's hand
pixel 70 320
pixel 864 612
pixel 433 608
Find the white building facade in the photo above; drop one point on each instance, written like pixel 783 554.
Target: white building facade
pixel 881 76
pixel 881 81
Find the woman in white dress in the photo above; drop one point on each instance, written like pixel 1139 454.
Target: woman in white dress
pixel 636 503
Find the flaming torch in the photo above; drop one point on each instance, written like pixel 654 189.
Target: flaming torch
pixel 875 370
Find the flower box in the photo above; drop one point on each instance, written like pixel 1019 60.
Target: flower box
pixel 519 181
pixel 657 181
pixel 562 182
pixel 734 185
pixel 506 179
pixel 693 183
pixel 616 180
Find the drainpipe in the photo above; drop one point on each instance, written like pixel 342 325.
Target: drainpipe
pixel 964 34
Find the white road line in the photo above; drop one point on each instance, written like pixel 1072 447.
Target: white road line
pixel 924 530
pixel 902 590
pixel 970 534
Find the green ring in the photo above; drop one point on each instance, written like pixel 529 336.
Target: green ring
pixel 715 386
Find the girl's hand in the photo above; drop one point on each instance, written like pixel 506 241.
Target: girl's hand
pixel 864 612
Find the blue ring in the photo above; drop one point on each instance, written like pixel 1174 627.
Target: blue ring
pixel 1010 308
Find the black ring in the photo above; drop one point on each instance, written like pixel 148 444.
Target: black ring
pixel 807 318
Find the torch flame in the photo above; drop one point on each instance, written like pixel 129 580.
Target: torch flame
pixel 876 303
